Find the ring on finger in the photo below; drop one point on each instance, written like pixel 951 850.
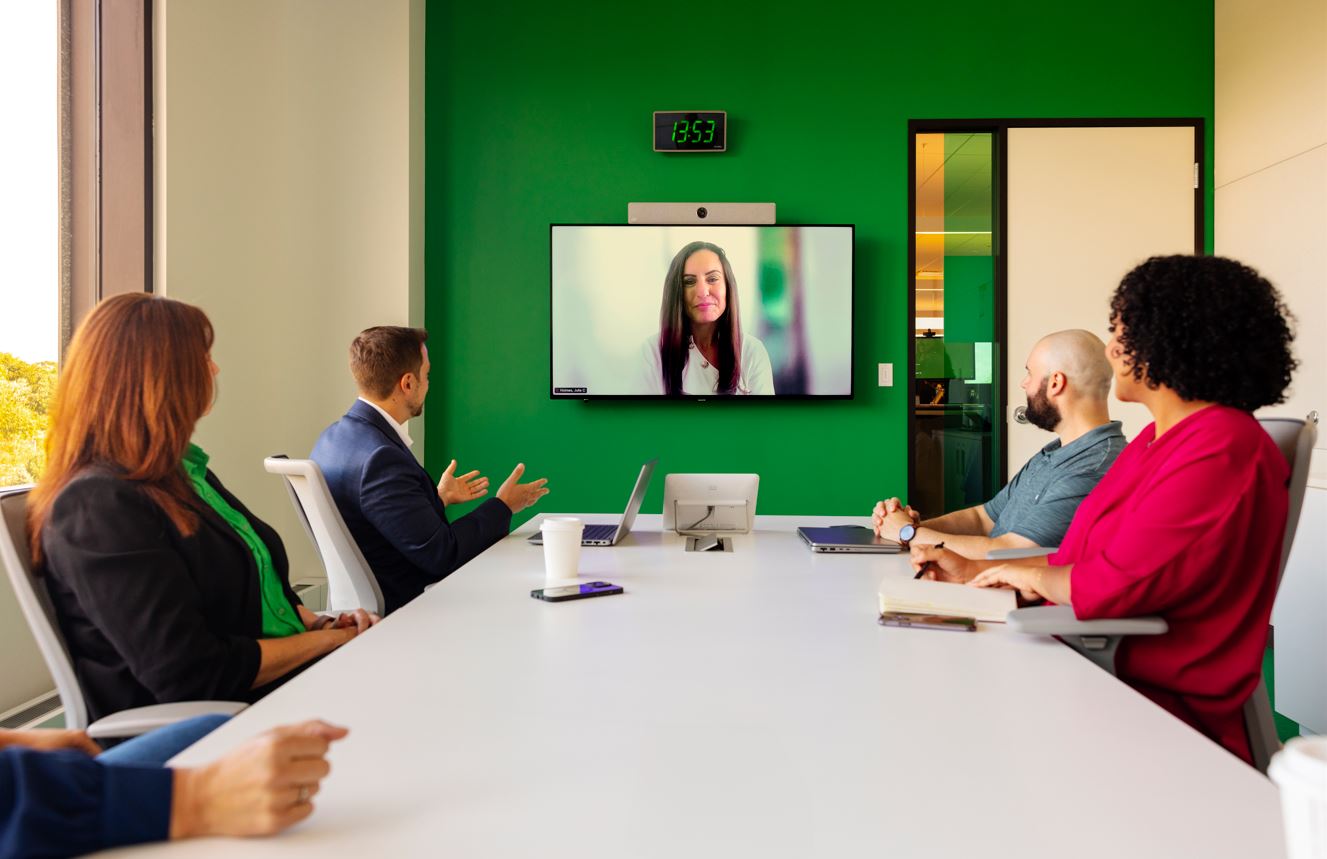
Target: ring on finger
pixel 303 793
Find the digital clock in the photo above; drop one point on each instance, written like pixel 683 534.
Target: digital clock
pixel 690 131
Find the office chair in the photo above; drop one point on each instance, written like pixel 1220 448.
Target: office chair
pixel 40 615
pixel 1099 640
pixel 350 582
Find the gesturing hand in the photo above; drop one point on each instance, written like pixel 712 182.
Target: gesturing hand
pixel 517 495
pixel 458 490
pixel 260 788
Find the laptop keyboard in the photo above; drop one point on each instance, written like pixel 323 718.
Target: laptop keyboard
pixel 598 532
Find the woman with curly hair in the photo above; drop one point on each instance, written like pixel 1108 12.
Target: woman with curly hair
pixel 1188 522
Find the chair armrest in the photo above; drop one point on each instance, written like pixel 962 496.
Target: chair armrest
pixel 1014 554
pixel 140 720
pixel 1060 620
pixel 1096 639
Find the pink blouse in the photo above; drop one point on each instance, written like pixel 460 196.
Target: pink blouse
pixel 1187 527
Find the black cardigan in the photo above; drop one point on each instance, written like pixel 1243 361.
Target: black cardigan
pixel 151 616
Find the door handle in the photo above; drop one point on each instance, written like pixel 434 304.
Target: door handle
pixel 1021 414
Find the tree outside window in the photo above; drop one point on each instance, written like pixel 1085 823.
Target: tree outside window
pixel 29 236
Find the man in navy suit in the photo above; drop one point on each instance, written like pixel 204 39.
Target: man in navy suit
pixel 393 510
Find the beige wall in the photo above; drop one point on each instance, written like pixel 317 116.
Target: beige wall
pixel 23 675
pixel 289 205
pixel 1271 170
pixel 289 185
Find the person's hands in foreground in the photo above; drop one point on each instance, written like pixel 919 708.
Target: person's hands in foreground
pixel 519 496
pixel 262 787
pixel 946 564
pixel 458 490
pixel 50 740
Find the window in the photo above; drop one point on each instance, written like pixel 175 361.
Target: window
pixel 76 212
pixel 30 226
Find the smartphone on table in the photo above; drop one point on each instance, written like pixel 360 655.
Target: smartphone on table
pixel 928 621
pixel 576 592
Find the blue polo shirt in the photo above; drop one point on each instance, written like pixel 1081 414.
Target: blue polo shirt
pixel 1040 501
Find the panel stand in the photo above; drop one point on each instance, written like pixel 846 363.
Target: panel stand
pixel 709 543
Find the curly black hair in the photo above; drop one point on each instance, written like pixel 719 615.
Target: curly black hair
pixel 1211 329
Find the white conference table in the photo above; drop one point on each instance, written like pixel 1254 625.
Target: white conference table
pixel 743 704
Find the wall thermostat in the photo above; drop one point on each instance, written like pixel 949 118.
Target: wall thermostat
pixel 690 130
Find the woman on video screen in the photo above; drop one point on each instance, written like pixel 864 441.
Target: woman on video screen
pixel 700 349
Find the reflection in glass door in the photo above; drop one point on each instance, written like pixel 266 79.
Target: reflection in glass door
pixel 957 408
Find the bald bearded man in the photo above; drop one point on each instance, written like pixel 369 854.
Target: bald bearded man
pixel 1068 380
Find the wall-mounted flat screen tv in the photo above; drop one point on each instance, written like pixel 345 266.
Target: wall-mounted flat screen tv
pixel 693 311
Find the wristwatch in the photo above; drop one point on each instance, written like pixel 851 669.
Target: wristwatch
pixel 907 532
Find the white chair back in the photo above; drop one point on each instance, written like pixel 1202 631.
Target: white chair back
pixel 350 582
pixel 1295 438
pixel 36 606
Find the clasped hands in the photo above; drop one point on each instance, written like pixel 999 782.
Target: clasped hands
pixel 890 515
pixel 357 620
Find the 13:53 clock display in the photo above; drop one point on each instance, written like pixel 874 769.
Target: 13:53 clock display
pixel 690 131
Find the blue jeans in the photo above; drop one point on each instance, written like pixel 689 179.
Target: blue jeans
pixel 156 747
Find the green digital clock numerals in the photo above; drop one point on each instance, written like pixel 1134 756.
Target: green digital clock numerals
pixel 697 131
pixel 690 131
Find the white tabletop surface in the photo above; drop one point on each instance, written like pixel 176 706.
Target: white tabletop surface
pixel 726 705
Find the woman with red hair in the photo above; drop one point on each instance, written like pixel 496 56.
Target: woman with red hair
pixel 166 587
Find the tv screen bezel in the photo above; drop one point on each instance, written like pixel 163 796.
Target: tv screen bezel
pixel 776 398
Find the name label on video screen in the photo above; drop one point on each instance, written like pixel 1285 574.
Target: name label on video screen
pixel 690 131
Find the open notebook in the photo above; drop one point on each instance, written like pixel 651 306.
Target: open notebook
pixel 945 598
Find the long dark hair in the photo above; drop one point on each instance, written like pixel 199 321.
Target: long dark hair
pixel 675 325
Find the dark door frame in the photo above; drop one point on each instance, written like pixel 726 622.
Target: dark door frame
pixel 999 129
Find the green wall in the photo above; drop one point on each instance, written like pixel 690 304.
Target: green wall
pixel 539 112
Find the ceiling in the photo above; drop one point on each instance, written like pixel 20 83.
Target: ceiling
pixel 954 206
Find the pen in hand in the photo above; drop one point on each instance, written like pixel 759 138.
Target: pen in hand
pixel 926 566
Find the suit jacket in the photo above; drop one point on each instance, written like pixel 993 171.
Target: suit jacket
pixel 151 616
pixel 391 506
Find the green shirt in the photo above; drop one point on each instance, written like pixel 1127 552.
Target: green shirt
pixel 279 617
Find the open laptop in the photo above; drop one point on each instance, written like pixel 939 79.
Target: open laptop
pixel 611 535
pixel 848 538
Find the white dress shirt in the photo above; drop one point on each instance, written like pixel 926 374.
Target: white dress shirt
pixel 701 377
pixel 400 428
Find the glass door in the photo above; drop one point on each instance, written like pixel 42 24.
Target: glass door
pixel 957 401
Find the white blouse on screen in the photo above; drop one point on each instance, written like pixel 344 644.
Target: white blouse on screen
pixel 700 377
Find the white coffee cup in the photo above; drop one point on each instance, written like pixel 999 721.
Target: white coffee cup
pixel 562 549
pixel 1300 771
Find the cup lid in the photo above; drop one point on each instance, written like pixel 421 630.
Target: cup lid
pixel 1302 764
pixel 561 523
